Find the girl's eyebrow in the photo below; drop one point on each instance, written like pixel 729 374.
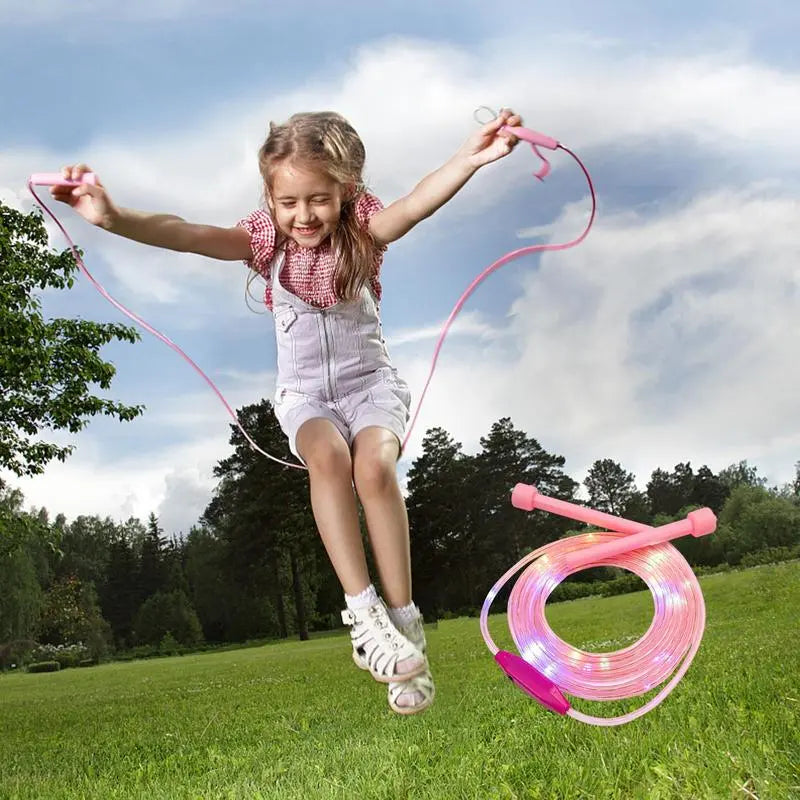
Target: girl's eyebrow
pixel 314 195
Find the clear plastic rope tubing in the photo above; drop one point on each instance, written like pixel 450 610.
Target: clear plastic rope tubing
pixel 663 653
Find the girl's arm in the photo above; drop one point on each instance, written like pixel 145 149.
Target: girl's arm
pixel 432 192
pixel 93 203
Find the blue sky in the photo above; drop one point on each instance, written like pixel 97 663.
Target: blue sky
pixel 669 335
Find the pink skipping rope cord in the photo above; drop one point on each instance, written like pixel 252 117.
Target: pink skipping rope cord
pixel 548 664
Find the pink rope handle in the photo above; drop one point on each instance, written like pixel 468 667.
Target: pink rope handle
pixel 550 665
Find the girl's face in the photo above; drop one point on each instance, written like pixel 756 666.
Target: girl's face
pixel 306 204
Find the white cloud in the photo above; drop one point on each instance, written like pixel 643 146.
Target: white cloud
pixel 663 338
pixel 467 323
pixel 186 495
pixel 175 481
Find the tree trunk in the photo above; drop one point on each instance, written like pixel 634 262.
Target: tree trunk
pixel 280 607
pixel 299 602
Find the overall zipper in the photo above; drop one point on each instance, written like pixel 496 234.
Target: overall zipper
pixel 324 316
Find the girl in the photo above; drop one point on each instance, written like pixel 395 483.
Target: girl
pixel 319 245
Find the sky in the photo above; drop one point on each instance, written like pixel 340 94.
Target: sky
pixel 669 335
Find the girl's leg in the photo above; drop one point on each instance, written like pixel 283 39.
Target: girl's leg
pixel 333 502
pixel 330 469
pixel 375 452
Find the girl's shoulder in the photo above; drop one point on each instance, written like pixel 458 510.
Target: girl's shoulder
pixel 367 205
pixel 257 221
pixel 261 228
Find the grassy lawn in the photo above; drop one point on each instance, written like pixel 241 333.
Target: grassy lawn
pixel 298 720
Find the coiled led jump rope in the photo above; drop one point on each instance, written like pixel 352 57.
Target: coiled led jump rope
pixel 549 666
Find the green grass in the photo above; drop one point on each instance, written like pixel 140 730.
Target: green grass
pixel 298 720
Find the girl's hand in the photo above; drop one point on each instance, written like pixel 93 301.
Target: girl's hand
pixel 490 143
pixel 90 201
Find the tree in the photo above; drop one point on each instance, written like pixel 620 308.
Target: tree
pixel 84 551
pixel 167 613
pixel 438 517
pixel 46 367
pixel 118 594
pixel 71 615
pixel 611 488
pixel 502 533
pixel 212 596
pixel 741 474
pixel 709 490
pixel 262 513
pixel 151 560
pixel 21 596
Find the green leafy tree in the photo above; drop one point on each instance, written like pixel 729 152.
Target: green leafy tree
pixel 669 492
pixel 709 490
pixel 211 594
pixel 773 523
pixel 71 615
pixel 21 595
pixel 262 513
pixel 118 594
pixel 611 488
pixel 438 518
pixel 47 367
pixel 741 474
pixel 84 549
pixel 167 613
pixel 501 533
pixel 151 560
pixel 733 532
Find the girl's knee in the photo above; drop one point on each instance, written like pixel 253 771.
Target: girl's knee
pixel 330 459
pixel 374 473
pixel 326 455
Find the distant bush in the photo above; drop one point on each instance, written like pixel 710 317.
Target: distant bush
pixel 67 655
pixel 770 555
pixel 169 645
pixel 44 666
pixel 572 590
pixel 622 585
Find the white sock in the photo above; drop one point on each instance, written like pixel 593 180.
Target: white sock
pixel 364 599
pixel 404 615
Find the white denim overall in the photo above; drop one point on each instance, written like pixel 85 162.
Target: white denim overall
pixel 333 363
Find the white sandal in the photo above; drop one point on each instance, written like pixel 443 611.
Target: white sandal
pixel 378 646
pixel 422 685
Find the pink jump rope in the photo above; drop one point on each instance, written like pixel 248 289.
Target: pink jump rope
pixel 549 666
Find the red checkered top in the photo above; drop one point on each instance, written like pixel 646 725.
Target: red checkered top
pixel 307 271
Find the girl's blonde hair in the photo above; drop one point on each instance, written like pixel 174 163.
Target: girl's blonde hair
pixel 325 141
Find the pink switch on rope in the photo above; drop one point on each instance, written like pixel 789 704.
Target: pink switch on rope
pixel 532 682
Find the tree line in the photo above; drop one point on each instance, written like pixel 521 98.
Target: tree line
pixel 254 567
